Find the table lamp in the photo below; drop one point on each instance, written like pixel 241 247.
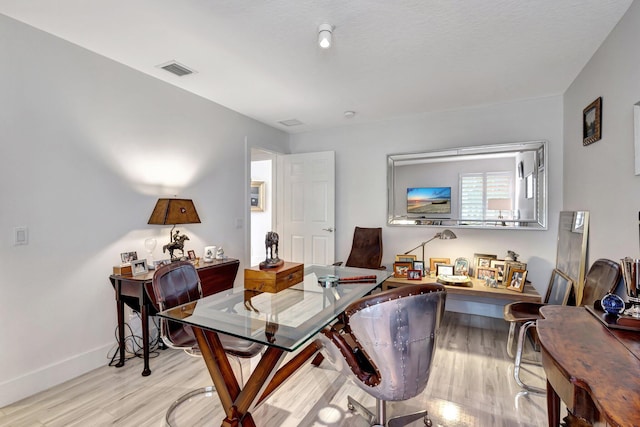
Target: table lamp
pixel 443 235
pixel 174 211
pixel 499 205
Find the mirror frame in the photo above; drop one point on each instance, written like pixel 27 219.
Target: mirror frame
pixel 539 176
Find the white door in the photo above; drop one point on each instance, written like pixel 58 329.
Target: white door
pixel 306 207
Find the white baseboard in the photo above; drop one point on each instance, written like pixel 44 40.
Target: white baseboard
pixel 33 382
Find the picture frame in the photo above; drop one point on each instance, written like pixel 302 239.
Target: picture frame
pixel 592 122
pixel 529 186
pixel 192 255
pixel 406 258
pixel 434 261
pixel 510 265
pixel 444 269
pixel 400 269
pixel 484 273
pixel 498 264
pixel 517 279
pixel 559 289
pixel 256 196
pixel 461 267
pixel 127 257
pixel 139 267
pixel 414 274
pixel 160 262
pixel 482 260
pixel 419 265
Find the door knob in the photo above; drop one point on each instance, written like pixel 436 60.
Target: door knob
pixel 330 229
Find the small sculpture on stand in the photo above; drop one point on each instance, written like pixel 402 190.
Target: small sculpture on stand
pixel 177 243
pixel 271 248
pixel 511 256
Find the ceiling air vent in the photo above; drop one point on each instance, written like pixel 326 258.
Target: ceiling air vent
pixel 176 68
pixel 290 122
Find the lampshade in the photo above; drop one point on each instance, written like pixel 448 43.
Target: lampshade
pixel 174 211
pixel 446 235
pixel 499 204
pixel 324 36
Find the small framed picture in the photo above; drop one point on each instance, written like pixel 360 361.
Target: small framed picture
pixel 127 257
pixel 414 274
pixel 592 122
pixel 434 261
pixel 444 270
pixel 139 267
pixel 400 269
pixel 517 279
pixel 406 258
pixel 257 196
pixel 482 260
pixel 498 264
pixel 511 265
pixel 192 255
pixel 160 262
pixel 461 267
pixel 486 273
pixel 418 265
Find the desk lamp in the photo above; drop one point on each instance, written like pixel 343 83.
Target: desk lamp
pixel 174 211
pixel 443 235
pixel 499 205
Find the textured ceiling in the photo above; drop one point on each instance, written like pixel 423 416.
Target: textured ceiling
pixel 389 58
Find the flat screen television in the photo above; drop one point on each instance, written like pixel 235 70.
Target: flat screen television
pixel 429 200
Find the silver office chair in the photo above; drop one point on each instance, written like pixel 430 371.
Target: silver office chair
pixel 385 343
pixel 175 284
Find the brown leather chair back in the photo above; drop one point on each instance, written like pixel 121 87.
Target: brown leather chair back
pixel 366 249
pixel 602 278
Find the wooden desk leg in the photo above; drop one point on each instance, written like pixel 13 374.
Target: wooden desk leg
pixel 553 406
pixel 145 338
pixel 120 309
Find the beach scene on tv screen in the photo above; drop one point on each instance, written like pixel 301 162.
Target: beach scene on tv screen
pixel 429 200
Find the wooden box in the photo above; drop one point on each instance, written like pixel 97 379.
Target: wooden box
pixel 274 279
pixel 122 270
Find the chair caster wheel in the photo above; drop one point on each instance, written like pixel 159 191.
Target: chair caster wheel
pixel 427 422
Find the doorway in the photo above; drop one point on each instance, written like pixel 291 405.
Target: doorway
pixel 263 196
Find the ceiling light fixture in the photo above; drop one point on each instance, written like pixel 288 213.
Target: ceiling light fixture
pixel 324 36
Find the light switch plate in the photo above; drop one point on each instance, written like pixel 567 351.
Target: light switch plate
pixel 20 236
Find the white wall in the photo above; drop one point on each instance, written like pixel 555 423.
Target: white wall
pixel 600 177
pixel 361 177
pixel 87 146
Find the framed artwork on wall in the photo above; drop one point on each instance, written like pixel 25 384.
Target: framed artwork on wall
pixel 592 122
pixel 257 196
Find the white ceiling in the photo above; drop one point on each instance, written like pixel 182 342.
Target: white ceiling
pixel 389 58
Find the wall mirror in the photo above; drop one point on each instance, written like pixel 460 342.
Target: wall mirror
pixel 490 186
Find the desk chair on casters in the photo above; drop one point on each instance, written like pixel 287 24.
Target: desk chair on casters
pixel 603 277
pixel 366 249
pixel 175 284
pixel 385 343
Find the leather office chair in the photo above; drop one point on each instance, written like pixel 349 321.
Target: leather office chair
pixel 603 277
pixel 366 249
pixel 385 343
pixel 175 284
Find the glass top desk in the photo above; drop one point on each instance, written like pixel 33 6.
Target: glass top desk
pixel 282 321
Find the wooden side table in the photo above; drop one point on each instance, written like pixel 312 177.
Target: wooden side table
pixel 137 293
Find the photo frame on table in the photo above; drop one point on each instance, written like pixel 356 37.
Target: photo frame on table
pixel 485 273
pixel 139 267
pixel 498 264
pixel 256 196
pixel 127 257
pixel 559 288
pixel 592 122
pixel 461 267
pixel 400 269
pixel 434 261
pixel 406 258
pixel 192 255
pixel 160 262
pixel 414 274
pixel 444 269
pixel 510 265
pixel 419 265
pixel 482 260
pixel 516 280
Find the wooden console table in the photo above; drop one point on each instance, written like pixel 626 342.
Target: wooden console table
pixel 137 293
pixel 593 369
pixel 477 289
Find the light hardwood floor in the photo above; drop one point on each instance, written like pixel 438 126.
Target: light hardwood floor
pixel 471 384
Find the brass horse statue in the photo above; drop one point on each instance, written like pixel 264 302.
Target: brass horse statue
pixel 178 243
pixel 271 248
